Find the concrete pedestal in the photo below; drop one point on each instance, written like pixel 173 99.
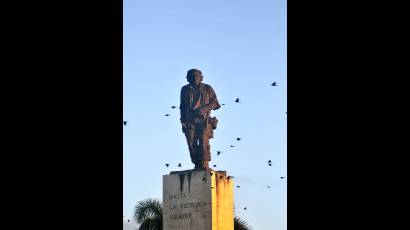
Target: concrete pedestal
pixel 197 200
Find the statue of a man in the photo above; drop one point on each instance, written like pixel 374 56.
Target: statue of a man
pixel 197 101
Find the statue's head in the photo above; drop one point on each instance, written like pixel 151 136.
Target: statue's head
pixel 194 77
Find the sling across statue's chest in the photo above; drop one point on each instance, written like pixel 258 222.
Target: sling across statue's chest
pixel 198 96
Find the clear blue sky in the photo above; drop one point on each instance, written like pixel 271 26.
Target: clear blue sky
pixel 240 46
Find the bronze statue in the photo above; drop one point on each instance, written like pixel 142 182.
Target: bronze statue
pixel 197 101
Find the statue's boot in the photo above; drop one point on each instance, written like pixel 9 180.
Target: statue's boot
pixel 202 165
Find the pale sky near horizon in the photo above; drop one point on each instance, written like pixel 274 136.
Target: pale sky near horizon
pixel 241 48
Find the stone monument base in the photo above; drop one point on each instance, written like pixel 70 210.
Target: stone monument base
pixel 198 200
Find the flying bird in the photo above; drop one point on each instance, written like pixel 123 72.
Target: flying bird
pixel 238 186
pixel 214 165
pixel 179 165
pixel 237 100
pixel 166 165
pixel 274 84
pixel 282 177
pixel 167 115
pixel 229 177
pixel 269 161
pixel 125 123
pixel 238 138
pixel 231 146
pixel 218 152
pixel 173 107
pixel 223 104
pixel 244 208
pixel 268 186
pixel 270 164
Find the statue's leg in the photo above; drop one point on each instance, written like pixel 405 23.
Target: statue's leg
pixel 204 145
pixel 198 150
pixel 206 148
pixel 191 140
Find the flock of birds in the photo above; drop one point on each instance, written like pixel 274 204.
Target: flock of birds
pixel 237 100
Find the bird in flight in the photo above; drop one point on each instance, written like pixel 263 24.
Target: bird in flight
pixel 268 186
pixel 245 208
pixel 238 138
pixel 231 146
pixel 173 107
pixel 274 84
pixel 125 123
pixel 218 152
pixel 167 165
pixel 237 100
pixel 179 165
pixel 167 115
pixel 269 161
pixel 215 166
pixel 238 186
pixel 282 177
pixel 230 177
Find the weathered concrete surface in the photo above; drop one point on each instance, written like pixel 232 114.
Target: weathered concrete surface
pixel 222 197
pixel 197 200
